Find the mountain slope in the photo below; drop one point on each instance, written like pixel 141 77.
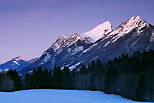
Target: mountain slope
pixel 62 52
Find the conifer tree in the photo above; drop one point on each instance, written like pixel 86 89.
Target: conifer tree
pixel 27 81
pixel 33 80
pixel 140 88
pixel 111 79
pixel 67 79
pixel 99 67
pixel 83 69
pixel 46 79
pixel 6 83
pixel 16 78
pixel 57 78
pixel 40 78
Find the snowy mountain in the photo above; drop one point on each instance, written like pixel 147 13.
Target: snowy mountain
pixel 17 63
pixel 62 52
pixel 133 23
pixel 132 35
pixel 99 31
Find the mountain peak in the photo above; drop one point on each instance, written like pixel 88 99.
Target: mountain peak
pixel 20 58
pixel 17 63
pixel 130 24
pixel 134 22
pixel 62 37
pixel 99 31
pixel 76 36
pixel 64 41
pixel 59 42
pixel 135 18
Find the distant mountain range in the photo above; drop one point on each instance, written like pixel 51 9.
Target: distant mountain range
pixel 101 42
pixel 17 63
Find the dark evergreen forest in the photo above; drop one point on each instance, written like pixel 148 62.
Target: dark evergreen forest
pixel 129 76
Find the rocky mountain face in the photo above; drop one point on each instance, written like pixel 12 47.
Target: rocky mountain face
pixel 132 35
pixel 62 52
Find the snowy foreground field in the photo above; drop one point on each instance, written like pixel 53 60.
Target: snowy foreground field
pixel 61 96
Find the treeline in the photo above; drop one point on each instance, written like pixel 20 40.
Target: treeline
pixel 128 76
pixel 10 81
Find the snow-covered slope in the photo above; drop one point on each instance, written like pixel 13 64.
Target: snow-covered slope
pixel 61 96
pixel 99 31
pixel 62 52
pixel 16 63
pixel 64 41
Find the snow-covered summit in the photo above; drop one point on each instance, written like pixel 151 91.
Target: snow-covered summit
pixel 20 58
pixel 59 42
pixel 99 31
pixel 64 41
pixel 130 24
pixel 133 23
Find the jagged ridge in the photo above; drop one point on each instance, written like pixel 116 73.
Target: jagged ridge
pixel 132 35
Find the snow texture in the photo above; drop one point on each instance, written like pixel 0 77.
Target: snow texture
pixel 16 62
pixel 64 41
pixel 133 23
pixel 152 37
pixel 61 96
pixel 74 66
pixel 77 49
pixel 88 49
pixel 99 31
pixel 47 58
pixel 20 58
pixel 107 43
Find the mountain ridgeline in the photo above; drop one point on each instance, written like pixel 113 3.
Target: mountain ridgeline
pixel 17 63
pixel 132 35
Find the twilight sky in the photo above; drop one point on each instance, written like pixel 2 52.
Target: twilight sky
pixel 29 27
